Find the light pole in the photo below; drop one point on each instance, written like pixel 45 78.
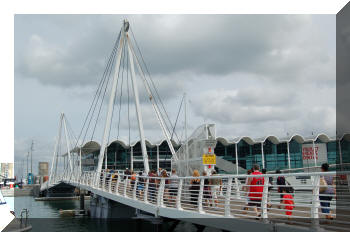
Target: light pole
pixel 27 166
pixel 31 157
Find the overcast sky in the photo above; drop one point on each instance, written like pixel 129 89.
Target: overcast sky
pixel 251 75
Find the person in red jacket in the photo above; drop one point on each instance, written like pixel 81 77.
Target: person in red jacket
pixel 288 201
pixel 256 188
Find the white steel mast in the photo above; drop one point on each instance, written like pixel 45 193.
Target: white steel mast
pixel 138 110
pixel 185 99
pixel 155 107
pixel 67 142
pixel 54 159
pixel 111 102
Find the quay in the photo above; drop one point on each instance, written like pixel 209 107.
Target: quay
pixel 192 195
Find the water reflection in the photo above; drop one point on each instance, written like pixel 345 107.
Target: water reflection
pixel 44 216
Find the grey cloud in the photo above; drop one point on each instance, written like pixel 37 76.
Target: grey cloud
pixel 250 74
pixel 228 107
pixel 215 44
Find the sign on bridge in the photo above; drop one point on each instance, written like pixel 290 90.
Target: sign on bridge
pixel 209 159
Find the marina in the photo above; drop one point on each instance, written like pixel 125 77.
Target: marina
pixel 114 176
pixel 113 190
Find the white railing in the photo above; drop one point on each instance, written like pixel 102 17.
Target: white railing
pixel 229 199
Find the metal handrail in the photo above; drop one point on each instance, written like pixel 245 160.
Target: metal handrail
pixel 231 200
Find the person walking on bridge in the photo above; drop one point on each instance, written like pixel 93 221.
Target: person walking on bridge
pixel 152 186
pixel 281 182
pixel 326 192
pixel 174 184
pixel 215 186
pixel 245 189
pixel 256 188
pixel 194 187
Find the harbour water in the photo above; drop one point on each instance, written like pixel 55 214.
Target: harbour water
pixel 44 216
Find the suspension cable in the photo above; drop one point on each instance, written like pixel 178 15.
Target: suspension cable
pixel 152 95
pixel 103 96
pixel 99 86
pixel 99 94
pixel 157 93
pixel 177 117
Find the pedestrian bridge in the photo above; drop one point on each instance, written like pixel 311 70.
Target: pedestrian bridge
pixel 175 198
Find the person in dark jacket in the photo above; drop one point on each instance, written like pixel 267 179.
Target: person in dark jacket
pixel 281 183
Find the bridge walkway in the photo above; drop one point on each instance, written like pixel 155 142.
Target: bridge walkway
pixel 175 198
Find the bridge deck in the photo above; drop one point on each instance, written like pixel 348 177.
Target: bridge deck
pixel 176 198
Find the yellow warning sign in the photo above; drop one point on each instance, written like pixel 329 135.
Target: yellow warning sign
pixel 209 159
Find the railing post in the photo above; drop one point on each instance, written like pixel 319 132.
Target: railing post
pixel 97 178
pixel 94 180
pixel 117 186
pixel 104 180
pixel 228 198
pixel 125 185
pixel 145 196
pixel 160 202
pixel 264 198
pixel 110 184
pixel 178 196
pixel 200 197
pixel 135 188
pixel 238 193
pixel 315 196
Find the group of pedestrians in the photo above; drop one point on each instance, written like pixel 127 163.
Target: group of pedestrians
pixel 170 185
pixel 211 188
pixel 254 187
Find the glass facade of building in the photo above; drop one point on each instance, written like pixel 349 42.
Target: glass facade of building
pixel 275 156
pixel 119 157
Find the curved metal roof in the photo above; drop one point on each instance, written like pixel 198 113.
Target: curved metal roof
pixel 92 146
pixel 271 138
pixel 120 142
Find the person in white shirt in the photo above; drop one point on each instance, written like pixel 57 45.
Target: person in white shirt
pixel 174 184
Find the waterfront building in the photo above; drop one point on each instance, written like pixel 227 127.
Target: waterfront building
pixel 270 152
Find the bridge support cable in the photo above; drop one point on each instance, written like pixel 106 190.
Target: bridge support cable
pixel 72 142
pixel 177 117
pixel 153 85
pixel 103 97
pixel 111 103
pixel 98 92
pixel 155 107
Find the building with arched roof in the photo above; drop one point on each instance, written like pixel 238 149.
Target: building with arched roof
pixel 270 152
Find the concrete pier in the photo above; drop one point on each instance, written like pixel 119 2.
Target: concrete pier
pixel 82 201
pixel 104 208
